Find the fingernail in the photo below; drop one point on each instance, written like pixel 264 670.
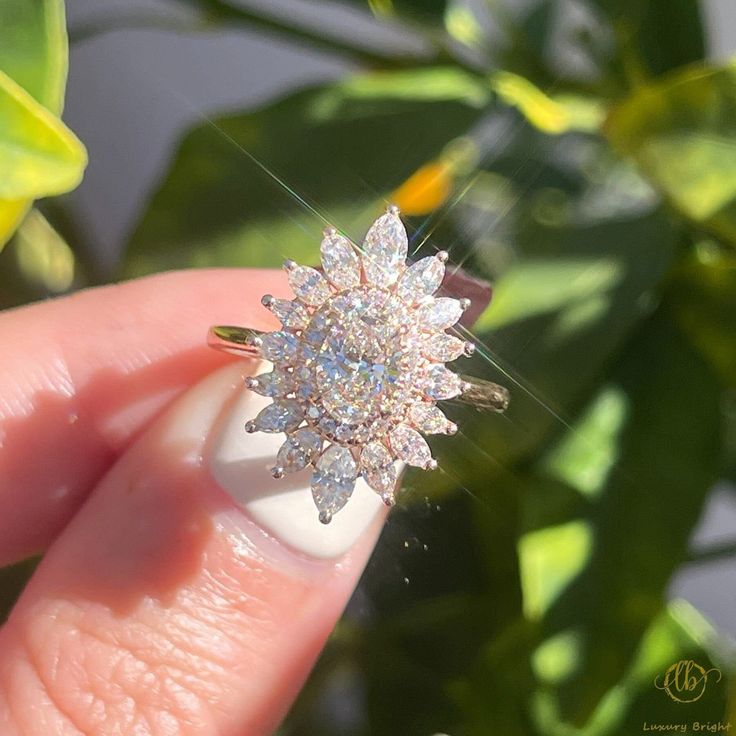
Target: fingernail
pixel 241 464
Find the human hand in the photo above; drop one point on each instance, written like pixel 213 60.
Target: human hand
pixel 161 606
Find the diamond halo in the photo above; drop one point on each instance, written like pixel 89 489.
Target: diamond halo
pixel 359 364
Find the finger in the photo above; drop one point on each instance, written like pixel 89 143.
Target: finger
pixel 80 376
pixel 173 603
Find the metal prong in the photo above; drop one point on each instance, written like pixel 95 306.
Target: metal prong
pixel 277 472
pixel 388 499
pixel 329 232
pixel 469 349
pixel 251 382
pixel 431 465
pixel 442 256
pixel 465 386
pixel 250 426
pixel 290 265
pixel 236 340
pixel 393 209
pixel 267 300
pixel 451 428
pixel 325 517
pixel 465 303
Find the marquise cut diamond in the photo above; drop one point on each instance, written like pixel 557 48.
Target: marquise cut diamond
pixel 273 384
pixel 279 347
pixel 443 348
pixel 378 468
pixel 299 450
pixel 384 250
pixel 340 261
pixel 421 279
pixel 281 416
pixel 442 383
pixel 429 419
pixel 309 285
pixel 292 315
pixel 439 314
pixel 333 481
pixel 410 446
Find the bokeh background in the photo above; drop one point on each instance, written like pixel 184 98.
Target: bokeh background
pixel 578 154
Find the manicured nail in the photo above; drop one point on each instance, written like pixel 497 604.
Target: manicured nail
pixel 242 464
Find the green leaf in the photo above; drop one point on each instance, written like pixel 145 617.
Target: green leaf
pixel 559 315
pixel 250 189
pixel 37 263
pixel 424 10
pixel 427 634
pixel 39 155
pixel 33 48
pixel 550 114
pixel 655 36
pixel 682 133
pixel 425 606
pixel 678 633
pixel 604 574
pixel 703 296
pixel 581 246
pixel 495 693
pixel 11 215
pixel 33 52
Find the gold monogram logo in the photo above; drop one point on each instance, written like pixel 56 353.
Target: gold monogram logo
pixel 685 681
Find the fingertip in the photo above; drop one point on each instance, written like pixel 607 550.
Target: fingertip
pixel 81 376
pixel 167 576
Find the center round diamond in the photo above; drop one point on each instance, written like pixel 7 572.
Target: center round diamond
pixel 360 350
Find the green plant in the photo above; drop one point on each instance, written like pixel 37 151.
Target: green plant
pixel 39 155
pixel 600 200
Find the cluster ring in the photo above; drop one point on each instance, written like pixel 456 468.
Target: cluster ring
pixel 359 364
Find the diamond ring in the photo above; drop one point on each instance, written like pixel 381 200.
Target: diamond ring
pixel 359 365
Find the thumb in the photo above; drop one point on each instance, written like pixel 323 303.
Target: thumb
pixel 192 593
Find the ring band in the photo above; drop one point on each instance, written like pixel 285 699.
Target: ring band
pixel 245 342
pixel 235 340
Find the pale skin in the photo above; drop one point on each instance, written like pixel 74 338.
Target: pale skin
pixel 158 607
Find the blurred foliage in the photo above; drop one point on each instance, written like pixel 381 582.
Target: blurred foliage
pixel 197 218
pixel 682 132
pixel 432 11
pixel 580 156
pixel 654 36
pixel 39 156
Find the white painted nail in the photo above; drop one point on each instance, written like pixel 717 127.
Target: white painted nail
pixel 241 463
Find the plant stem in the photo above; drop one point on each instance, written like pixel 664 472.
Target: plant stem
pixel 720 551
pixel 220 11
pixel 223 12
